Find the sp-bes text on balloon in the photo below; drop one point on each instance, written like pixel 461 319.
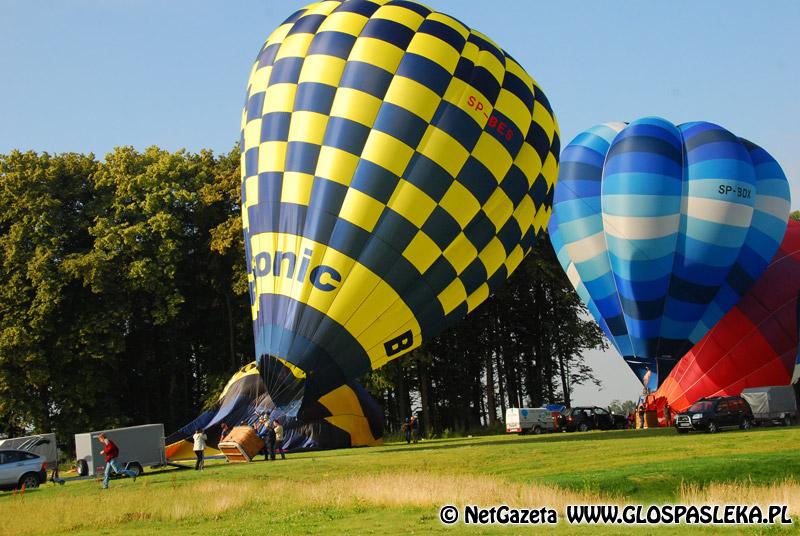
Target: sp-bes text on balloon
pixel 493 122
pixel 285 264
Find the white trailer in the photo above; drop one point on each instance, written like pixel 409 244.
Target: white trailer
pixel 139 447
pixel 529 420
pixel 776 404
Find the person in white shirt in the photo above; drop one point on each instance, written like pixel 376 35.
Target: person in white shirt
pixel 278 440
pixel 199 448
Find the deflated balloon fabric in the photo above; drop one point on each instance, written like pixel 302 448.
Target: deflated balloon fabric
pixel 344 417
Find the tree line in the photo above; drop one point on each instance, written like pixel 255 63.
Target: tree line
pixel 124 301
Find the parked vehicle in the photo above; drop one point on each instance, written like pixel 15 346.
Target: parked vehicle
pixel 139 446
pixel 772 405
pixel 713 414
pixel 585 418
pixel 42 444
pixel 19 468
pixel 529 420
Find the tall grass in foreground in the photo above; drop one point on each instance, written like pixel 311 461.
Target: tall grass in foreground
pixel 784 492
pixel 64 511
pixel 209 500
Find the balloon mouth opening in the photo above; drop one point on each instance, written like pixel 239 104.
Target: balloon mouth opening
pixel 284 382
pixel 652 371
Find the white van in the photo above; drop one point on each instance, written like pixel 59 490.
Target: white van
pixel 529 420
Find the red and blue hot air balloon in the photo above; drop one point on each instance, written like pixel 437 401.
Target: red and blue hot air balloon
pixel 756 342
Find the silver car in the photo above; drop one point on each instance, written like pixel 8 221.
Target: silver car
pixel 20 468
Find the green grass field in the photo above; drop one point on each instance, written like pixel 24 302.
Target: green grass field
pixel 398 488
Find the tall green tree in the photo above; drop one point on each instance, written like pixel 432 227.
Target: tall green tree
pixel 124 297
pixel 166 283
pixel 44 218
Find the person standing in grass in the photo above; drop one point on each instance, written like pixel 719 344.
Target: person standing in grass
pixel 278 440
pixel 260 426
pixel 111 452
pixel 200 439
pixel 414 424
pixel 269 443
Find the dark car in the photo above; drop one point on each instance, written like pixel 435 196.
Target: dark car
pixel 587 418
pixel 19 468
pixel 713 414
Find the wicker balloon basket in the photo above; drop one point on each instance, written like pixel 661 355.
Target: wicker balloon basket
pixel 650 419
pixel 241 445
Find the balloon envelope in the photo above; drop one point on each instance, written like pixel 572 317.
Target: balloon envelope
pixel 396 168
pixel 754 345
pixel 344 417
pixel 662 229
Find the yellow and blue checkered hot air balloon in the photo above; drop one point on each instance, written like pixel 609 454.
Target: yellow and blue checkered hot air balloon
pixel 662 229
pixel 396 168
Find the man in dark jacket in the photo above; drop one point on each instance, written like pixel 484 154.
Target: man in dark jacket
pixel 414 424
pixel 111 451
pixel 269 442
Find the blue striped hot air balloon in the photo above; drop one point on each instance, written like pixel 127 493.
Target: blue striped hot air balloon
pixel 662 229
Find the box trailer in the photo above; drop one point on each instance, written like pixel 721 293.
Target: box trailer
pixel 43 445
pixel 775 404
pixel 139 447
pixel 529 420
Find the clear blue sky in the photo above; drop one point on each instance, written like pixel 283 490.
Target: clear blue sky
pixel 89 75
